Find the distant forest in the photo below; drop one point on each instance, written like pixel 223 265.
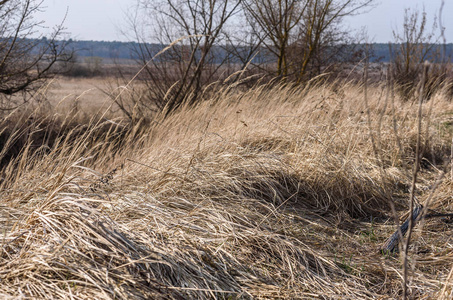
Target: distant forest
pixel 125 50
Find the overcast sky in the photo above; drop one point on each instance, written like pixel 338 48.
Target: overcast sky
pixel 100 19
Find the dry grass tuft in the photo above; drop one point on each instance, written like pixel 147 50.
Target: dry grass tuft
pixel 273 192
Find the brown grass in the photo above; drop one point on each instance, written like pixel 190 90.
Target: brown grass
pixel 273 192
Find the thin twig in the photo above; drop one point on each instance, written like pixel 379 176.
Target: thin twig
pixel 414 180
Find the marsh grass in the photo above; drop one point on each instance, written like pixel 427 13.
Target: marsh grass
pixel 271 192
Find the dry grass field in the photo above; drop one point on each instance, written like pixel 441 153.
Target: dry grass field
pixel 83 94
pixel 269 193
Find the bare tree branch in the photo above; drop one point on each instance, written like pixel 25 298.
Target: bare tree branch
pixel 26 62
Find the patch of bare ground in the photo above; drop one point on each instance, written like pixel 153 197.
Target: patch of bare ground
pixel 273 192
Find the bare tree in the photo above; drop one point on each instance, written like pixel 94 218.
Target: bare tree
pixel 179 74
pixel 414 45
pixel 323 41
pixel 304 35
pixel 274 21
pixel 25 62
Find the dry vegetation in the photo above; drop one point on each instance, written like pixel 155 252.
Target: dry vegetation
pixel 273 192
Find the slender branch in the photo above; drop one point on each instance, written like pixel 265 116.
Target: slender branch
pixel 416 169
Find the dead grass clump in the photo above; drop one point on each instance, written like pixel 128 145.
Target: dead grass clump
pixel 265 193
pixel 29 136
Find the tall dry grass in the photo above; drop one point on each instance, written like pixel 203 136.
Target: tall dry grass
pixel 273 192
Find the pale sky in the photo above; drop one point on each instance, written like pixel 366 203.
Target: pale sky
pixel 87 19
pixel 100 19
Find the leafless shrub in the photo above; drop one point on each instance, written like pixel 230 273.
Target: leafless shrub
pixel 179 74
pixel 415 45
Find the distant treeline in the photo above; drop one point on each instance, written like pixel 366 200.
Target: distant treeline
pixel 106 49
pixel 128 50
pixel 381 51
